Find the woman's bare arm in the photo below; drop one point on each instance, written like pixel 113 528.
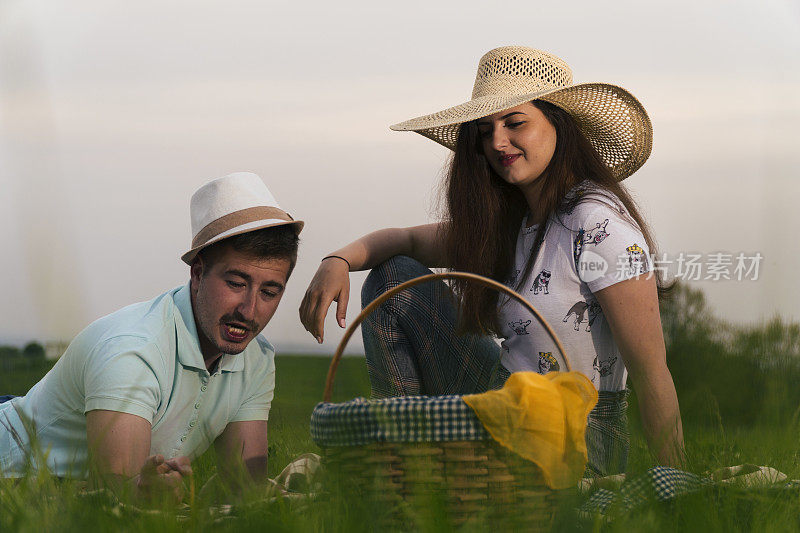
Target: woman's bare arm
pixel 631 309
pixel 331 283
pixel 422 243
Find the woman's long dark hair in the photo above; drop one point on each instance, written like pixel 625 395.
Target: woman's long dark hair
pixel 483 213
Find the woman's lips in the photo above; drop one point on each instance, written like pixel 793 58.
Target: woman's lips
pixel 508 160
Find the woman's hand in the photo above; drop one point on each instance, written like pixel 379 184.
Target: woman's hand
pixel 330 284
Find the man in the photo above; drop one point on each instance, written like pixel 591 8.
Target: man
pixel 141 392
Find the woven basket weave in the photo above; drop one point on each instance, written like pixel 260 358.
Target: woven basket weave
pixel 472 478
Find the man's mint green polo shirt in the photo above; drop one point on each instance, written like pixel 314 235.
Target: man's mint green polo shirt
pixel 143 360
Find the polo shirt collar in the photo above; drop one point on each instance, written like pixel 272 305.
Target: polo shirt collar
pixel 189 353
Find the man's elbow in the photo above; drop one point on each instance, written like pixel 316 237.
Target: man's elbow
pixel 257 468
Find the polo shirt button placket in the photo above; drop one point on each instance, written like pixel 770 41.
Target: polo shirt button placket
pixel 193 421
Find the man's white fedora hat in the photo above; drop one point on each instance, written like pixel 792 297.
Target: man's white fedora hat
pixel 231 205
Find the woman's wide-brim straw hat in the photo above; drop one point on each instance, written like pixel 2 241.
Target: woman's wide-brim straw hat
pixel 231 205
pixel 610 117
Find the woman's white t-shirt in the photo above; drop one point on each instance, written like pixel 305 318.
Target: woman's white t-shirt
pixel 595 245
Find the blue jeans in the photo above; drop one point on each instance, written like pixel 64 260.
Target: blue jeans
pixel 412 349
pixel 4 399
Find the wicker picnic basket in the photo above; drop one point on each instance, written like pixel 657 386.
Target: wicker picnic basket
pixel 472 477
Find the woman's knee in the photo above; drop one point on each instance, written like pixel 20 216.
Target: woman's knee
pixel 388 274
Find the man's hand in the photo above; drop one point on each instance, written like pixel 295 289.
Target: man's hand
pixel 118 447
pixel 160 479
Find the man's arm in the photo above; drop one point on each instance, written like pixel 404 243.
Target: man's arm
pixel 118 447
pixel 242 453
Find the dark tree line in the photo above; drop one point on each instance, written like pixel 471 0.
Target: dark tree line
pixel 12 357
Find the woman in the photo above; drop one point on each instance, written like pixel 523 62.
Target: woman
pixel 533 199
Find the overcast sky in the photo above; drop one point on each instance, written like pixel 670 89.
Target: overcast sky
pixel 112 114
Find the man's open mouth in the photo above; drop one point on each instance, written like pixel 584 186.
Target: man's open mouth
pixel 234 332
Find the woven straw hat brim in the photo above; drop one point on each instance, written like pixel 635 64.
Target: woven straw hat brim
pixel 610 117
pixel 189 256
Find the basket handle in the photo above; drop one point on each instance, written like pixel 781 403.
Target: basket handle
pixel 326 397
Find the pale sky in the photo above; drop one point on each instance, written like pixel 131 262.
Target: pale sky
pixel 112 114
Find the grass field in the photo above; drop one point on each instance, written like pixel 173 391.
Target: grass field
pixel 739 400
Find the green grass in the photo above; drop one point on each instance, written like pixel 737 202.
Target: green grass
pixel 300 381
pixel 740 401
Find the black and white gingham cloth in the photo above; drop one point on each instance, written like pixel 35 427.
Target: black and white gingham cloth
pixel 401 419
pixel 660 483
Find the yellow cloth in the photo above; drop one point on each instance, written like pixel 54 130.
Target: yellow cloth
pixel 543 419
